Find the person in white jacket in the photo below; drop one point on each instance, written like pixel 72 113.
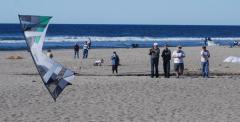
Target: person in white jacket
pixel 205 55
pixel 178 56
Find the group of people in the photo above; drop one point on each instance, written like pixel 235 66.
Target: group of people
pixel 178 56
pixel 86 46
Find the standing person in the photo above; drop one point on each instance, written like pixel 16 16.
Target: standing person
pixel 205 41
pixel 89 43
pixel 205 55
pixel 154 54
pixel 76 51
pixel 85 50
pixel 178 56
pixel 166 56
pixel 115 62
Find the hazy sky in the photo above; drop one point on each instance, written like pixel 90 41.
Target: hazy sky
pixel 177 12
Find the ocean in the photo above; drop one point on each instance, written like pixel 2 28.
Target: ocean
pixel 61 36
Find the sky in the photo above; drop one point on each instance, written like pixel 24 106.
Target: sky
pixel 154 12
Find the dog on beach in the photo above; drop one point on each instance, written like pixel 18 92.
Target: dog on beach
pixel 98 62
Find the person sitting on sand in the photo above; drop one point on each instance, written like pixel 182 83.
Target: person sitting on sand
pixel 115 62
pixel 166 56
pixel 205 55
pixel 154 54
pixel 98 62
pixel 178 56
pixel 49 53
pixel 85 50
pixel 76 51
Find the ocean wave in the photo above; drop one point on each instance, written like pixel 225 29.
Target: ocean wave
pixel 105 39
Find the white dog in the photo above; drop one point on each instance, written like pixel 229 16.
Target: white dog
pixel 98 62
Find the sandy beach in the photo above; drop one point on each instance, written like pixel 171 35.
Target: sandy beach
pixel 98 96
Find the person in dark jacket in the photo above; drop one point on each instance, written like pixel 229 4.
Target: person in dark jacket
pixel 115 62
pixel 76 51
pixel 166 56
pixel 154 54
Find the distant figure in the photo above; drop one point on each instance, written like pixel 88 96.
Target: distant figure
pixel 98 62
pixel 89 43
pixel 166 56
pixel 205 55
pixel 178 56
pixel 206 41
pixel 135 45
pixel 154 54
pixel 209 38
pixel 49 53
pixel 76 51
pixel 85 50
pixel 115 62
pixel 236 43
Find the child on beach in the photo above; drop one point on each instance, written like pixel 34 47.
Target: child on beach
pixel 178 56
pixel 115 62
pixel 76 51
pixel 166 56
pixel 154 54
pixel 49 54
pixel 205 55
pixel 85 50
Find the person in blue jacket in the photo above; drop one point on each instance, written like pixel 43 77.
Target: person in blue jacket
pixel 115 62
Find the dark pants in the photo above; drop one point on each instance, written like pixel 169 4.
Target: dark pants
pixel 114 68
pixel 89 45
pixel 166 68
pixel 205 69
pixel 85 53
pixel 154 67
pixel 76 54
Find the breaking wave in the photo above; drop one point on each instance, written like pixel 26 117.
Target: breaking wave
pixel 59 39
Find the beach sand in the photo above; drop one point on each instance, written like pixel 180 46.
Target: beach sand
pixel 98 96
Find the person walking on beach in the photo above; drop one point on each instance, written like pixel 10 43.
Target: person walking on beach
pixel 166 56
pixel 154 54
pixel 85 50
pixel 115 62
pixel 76 51
pixel 205 55
pixel 178 56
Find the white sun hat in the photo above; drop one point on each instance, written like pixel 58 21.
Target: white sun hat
pixel 155 44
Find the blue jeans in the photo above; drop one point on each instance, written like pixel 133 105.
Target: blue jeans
pixel 85 53
pixel 205 69
pixel 154 67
